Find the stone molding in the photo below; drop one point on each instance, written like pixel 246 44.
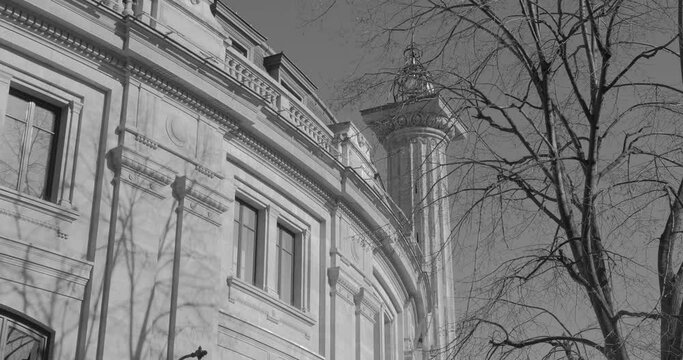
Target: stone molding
pixel 200 200
pixel 262 338
pixel 343 287
pixel 143 74
pixel 362 226
pixel 389 276
pixel 235 283
pixel 64 37
pixel 430 112
pixel 154 145
pixel 436 138
pixel 366 305
pixel 139 171
pixel 267 154
pixel 50 270
pixel 340 286
pixel 33 220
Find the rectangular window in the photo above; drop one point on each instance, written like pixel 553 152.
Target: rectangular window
pixel 29 134
pixel 240 48
pixel 291 91
pixel 289 266
pixel 245 237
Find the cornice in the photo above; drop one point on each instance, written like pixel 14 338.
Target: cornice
pixel 167 87
pixel 362 225
pixel 48 269
pixel 430 112
pixel 140 171
pixel 200 200
pixel 366 304
pixel 284 165
pixel 59 35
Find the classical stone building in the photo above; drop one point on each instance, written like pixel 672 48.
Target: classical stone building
pixel 168 181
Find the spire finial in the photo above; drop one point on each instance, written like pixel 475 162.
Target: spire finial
pixel 412 80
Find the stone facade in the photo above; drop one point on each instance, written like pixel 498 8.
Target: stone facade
pixel 174 119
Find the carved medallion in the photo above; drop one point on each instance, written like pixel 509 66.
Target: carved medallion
pixel 177 130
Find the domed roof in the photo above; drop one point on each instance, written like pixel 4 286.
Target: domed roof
pixel 412 80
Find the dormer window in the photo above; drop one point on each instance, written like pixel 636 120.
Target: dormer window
pixel 240 48
pixel 291 91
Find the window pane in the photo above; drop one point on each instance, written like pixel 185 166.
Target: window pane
pixel 287 240
pixel 10 152
pixel 286 271
pixel 248 217
pixel 21 345
pixel 236 242
pixel 39 150
pixel 286 280
pixel 248 245
pixel 45 118
pixel 17 107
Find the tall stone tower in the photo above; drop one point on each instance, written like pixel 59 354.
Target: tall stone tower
pixel 415 130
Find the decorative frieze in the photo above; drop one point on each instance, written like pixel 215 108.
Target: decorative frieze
pixel 200 200
pixel 144 140
pixel 63 37
pixel 140 171
pixel 47 223
pixel 283 165
pixel 340 286
pixel 365 304
pixel 367 237
pixel 153 144
pixel 176 92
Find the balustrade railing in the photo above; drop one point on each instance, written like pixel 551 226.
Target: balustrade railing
pixel 243 73
pixel 303 121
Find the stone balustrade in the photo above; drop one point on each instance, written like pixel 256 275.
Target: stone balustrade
pixel 244 74
pixel 303 121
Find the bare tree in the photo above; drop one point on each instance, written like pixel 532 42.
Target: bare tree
pixel 569 186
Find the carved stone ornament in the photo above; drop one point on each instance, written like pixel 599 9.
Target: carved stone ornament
pixel 139 171
pixel 427 112
pixel 177 131
pixel 200 200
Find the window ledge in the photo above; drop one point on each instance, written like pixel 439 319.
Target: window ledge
pixel 61 212
pixel 275 302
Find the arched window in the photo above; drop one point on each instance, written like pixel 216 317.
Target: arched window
pixel 22 338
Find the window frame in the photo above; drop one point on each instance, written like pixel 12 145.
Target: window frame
pixel 239 48
pixel 259 244
pixel 291 90
pixel 272 214
pixel 51 180
pixel 66 150
pixel 26 322
pixel 296 296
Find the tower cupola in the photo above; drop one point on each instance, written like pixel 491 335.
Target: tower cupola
pixel 412 81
